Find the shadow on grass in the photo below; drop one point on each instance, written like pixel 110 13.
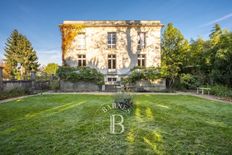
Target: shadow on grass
pixel 44 113
pixel 54 110
pixel 141 137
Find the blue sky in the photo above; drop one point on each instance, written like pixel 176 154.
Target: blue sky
pixel 39 19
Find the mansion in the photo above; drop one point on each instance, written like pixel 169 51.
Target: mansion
pixel 114 47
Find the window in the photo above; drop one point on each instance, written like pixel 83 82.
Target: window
pixel 112 61
pixel 111 39
pixel 141 60
pixel 112 79
pixel 80 41
pixel 81 59
pixel 141 40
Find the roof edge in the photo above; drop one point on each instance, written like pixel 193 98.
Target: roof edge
pixel 102 23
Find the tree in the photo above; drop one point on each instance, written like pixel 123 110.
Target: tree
pixel 211 59
pixel 196 51
pixel 174 53
pixel 18 49
pixel 215 39
pixel 222 66
pixel 199 60
pixel 51 68
pixel 215 35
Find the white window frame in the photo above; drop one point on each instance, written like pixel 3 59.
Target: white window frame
pixel 113 61
pixel 111 39
pixel 140 59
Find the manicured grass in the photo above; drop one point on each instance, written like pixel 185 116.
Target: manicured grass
pixel 72 124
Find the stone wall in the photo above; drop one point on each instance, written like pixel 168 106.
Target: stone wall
pixel 68 86
pixel 42 85
pixel 29 85
pixel 15 84
pixel 149 86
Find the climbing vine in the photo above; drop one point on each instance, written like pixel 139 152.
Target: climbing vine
pixel 69 32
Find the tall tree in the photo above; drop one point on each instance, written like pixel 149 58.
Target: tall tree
pixel 196 50
pixel 12 52
pixel 222 66
pixel 200 59
pixel 215 37
pixel 174 53
pixel 18 49
pixel 215 34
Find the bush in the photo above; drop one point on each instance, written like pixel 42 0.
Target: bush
pixel 55 85
pixel 123 101
pixel 14 93
pixel 189 81
pixel 220 90
pixel 138 74
pixel 76 74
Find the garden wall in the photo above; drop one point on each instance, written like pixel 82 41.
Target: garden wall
pixel 150 86
pixel 28 85
pixel 14 84
pixel 68 86
pixel 25 85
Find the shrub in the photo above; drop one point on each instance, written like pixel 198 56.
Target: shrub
pixel 14 93
pixel 123 101
pixel 220 90
pixel 189 81
pixel 55 85
pixel 42 76
pixel 76 74
pixel 138 74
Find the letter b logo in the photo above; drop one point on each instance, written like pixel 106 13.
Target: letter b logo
pixel 113 123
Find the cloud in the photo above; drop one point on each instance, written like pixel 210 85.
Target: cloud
pixel 217 20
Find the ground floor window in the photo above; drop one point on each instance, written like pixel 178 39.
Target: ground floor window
pixel 112 79
pixel 81 59
pixel 141 60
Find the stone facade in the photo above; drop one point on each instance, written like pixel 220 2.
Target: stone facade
pixel 130 39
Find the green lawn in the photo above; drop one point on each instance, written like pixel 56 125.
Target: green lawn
pixel 72 124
